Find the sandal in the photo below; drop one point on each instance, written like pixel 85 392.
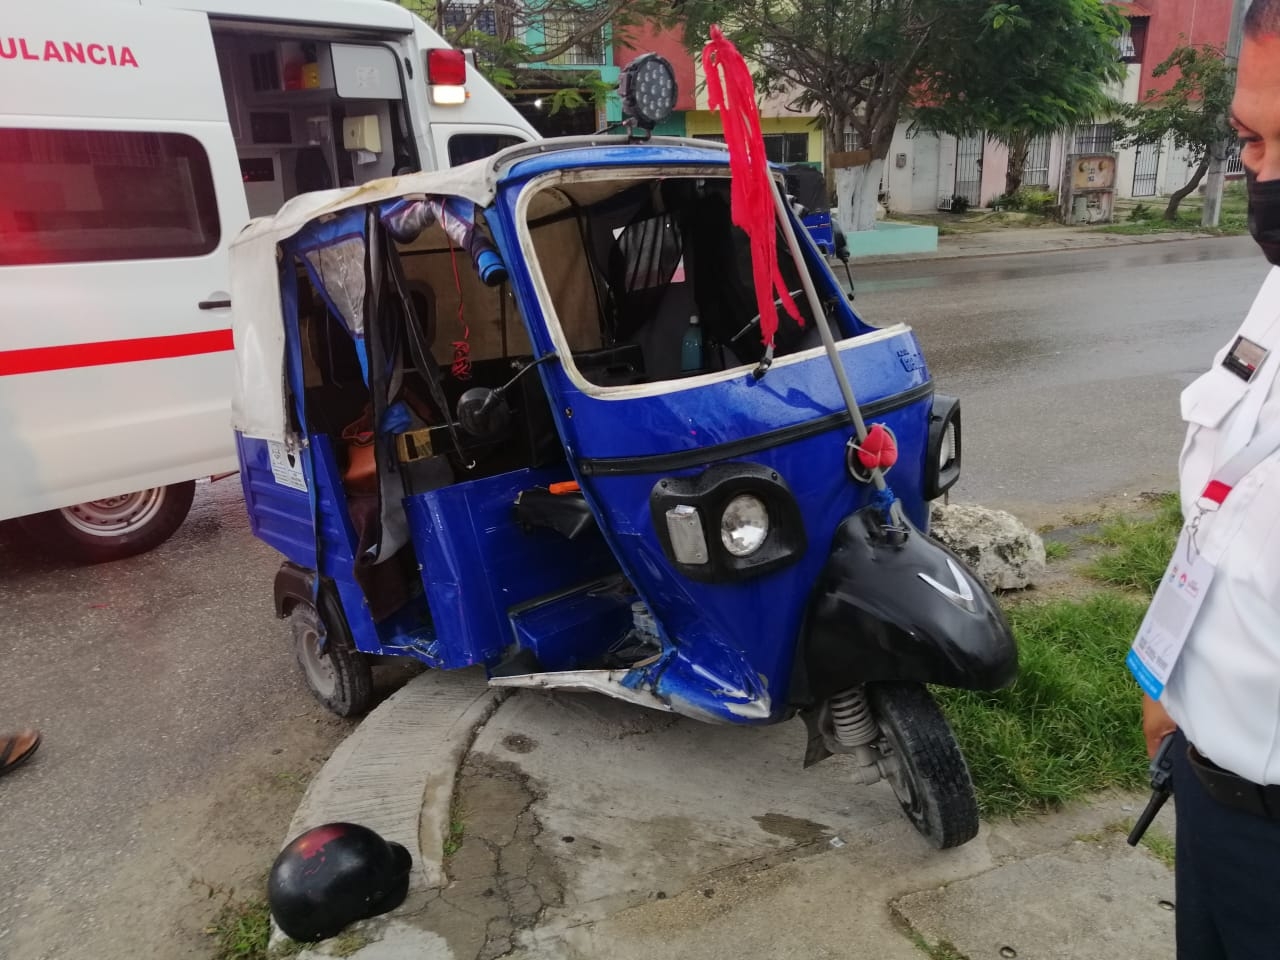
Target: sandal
pixel 17 748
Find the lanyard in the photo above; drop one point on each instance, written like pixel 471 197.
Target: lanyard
pixel 1228 476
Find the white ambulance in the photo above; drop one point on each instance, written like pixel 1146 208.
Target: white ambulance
pixel 137 137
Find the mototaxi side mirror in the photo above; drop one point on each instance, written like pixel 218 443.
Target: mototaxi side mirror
pixel 483 413
pixel 842 244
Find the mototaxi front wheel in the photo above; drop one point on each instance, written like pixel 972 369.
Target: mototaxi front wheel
pixel 923 763
pixel 338 674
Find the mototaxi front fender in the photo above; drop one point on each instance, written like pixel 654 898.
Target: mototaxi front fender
pixel 894 604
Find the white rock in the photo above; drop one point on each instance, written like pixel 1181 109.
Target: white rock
pixel 1003 551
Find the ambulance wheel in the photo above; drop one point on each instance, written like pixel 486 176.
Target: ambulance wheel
pixel 112 528
pixel 338 674
pixel 923 764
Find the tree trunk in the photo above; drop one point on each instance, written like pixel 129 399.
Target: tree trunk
pixel 1214 181
pixel 1019 146
pixel 1171 211
pixel 857 190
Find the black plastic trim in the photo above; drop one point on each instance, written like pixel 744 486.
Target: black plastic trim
pixel 710 493
pixel 293 584
pixel 936 481
pixel 684 459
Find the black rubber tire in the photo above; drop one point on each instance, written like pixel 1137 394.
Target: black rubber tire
pixel 347 689
pixel 53 533
pixel 936 792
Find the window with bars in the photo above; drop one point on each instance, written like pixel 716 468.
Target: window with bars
pixel 778 147
pixel 1234 165
pixel 480 18
pixel 1095 138
pixel 587 50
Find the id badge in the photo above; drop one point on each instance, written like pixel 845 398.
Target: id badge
pixel 1168 622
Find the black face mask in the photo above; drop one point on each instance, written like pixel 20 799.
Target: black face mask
pixel 1264 216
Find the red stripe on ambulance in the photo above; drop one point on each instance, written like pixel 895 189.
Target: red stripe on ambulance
pixel 53 51
pixel 73 356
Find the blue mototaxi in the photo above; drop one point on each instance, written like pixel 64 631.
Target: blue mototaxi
pixel 807 190
pixel 519 414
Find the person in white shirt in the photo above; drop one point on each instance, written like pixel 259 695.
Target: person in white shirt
pixel 1222 699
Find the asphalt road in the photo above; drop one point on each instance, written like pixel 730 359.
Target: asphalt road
pixel 178 736
pixel 1069 365
pixel 178 733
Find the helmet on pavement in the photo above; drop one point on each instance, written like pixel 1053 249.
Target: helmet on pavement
pixel 333 875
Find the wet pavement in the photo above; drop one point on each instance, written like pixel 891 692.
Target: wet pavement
pixel 177 738
pixel 1069 365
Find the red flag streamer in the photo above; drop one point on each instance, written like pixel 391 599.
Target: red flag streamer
pixel 751 189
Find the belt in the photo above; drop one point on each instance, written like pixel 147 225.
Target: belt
pixel 1234 791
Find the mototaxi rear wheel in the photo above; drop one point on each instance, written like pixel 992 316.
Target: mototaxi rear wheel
pixel 337 674
pixel 923 763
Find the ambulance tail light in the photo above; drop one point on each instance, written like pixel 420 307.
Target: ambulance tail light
pixel 447 76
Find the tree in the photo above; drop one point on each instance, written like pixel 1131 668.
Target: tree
pixel 853 61
pixel 862 63
pixel 516 41
pixel 1194 111
pixel 1035 68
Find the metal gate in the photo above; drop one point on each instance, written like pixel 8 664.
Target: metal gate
pixel 969 169
pixel 1145 167
pixel 1035 172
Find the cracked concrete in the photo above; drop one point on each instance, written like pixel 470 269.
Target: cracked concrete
pixel 593 828
pixel 499 880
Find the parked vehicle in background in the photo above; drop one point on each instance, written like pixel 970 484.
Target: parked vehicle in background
pixel 136 140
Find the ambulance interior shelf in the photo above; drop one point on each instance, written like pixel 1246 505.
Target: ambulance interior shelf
pixel 310 115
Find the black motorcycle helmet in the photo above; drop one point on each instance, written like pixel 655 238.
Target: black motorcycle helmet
pixel 333 875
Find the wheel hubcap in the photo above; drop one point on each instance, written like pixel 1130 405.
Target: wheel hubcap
pixel 315 660
pixel 114 516
pixel 895 771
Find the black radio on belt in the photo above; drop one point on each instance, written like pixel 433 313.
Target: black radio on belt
pixel 1161 786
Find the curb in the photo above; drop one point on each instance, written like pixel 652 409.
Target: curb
pixel 1121 241
pixel 395 773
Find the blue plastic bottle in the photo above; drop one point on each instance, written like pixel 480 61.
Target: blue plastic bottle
pixel 691 346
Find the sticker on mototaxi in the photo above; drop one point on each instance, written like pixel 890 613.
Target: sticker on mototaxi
pixel 286 467
pixel 1245 358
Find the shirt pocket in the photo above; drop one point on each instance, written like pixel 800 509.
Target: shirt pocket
pixel 1209 398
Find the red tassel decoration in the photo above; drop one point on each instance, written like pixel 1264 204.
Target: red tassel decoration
pixel 751 190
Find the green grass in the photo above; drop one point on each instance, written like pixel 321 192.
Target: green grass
pixel 1140 549
pixel 242 928
pixel 1071 723
pixel 1161 847
pixel 1232 221
pixel 457 830
pixel 942 950
pixel 1055 549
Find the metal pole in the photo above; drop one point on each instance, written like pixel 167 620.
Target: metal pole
pixel 1216 176
pixel 824 329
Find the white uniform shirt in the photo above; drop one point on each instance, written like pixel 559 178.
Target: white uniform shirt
pixel 1225 689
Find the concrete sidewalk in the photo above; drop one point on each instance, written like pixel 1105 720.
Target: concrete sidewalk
pixel 1015 240
pixel 582 827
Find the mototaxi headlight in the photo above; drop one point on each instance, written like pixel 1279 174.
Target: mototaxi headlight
pixel 744 525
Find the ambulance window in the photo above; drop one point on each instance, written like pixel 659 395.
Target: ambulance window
pixel 69 196
pixel 465 147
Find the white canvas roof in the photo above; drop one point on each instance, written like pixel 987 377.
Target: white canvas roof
pixel 258 406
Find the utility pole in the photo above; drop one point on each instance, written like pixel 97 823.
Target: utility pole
pixel 1215 177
